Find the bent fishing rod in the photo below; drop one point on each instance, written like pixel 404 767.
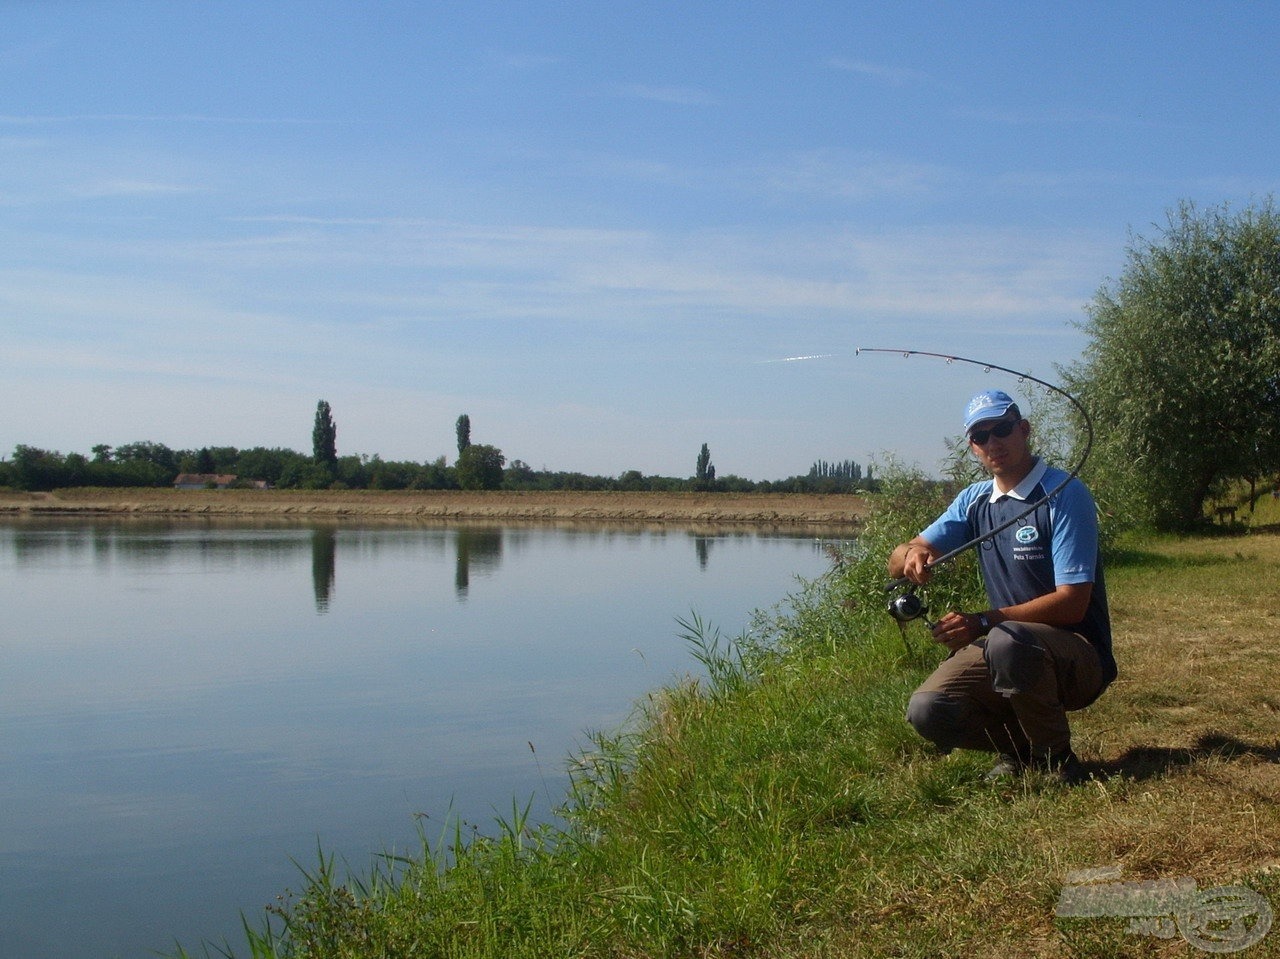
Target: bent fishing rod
pixel 909 606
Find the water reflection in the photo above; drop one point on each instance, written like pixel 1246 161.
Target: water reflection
pixel 702 547
pixel 140 544
pixel 479 547
pixel 186 708
pixel 324 565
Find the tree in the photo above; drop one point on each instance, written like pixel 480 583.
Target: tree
pixel 1182 374
pixel 434 475
pixel 519 475
pixel 839 477
pixel 463 429
pixel 324 436
pixel 480 467
pixel 37 469
pixel 305 474
pixel 632 481
pixel 705 474
pixel 261 463
pixel 134 464
pixel 145 451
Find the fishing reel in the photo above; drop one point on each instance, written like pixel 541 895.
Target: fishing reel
pixel 907 606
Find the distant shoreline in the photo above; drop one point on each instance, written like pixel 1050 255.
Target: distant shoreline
pixel 751 509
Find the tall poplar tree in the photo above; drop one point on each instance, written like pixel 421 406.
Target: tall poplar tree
pixel 704 473
pixel 464 433
pixel 324 436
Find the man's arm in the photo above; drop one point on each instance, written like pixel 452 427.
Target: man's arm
pixel 1065 606
pixel 909 560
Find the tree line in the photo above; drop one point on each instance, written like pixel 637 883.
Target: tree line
pixel 478 466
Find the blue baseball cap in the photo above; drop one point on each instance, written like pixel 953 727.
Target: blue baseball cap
pixel 989 405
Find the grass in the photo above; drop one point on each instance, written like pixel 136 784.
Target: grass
pixel 781 807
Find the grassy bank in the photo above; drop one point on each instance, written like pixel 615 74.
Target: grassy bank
pixel 781 807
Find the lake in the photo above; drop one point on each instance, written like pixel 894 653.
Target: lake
pixel 189 710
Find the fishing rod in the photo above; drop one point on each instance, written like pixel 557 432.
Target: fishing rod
pixel 909 606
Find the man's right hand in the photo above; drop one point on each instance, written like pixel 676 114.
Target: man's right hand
pixel 911 560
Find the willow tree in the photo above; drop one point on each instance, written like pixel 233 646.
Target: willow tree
pixel 1182 373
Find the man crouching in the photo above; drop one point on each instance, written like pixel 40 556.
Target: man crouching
pixel 1044 646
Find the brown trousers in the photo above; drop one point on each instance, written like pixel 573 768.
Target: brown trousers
pixel 1009 692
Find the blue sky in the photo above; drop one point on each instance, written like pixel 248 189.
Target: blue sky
pixel 593 227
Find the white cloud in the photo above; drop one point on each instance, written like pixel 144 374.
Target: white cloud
pixel 602 276
pixel 894 76
pixel 371 288
pixel 128 188
pixel 855 176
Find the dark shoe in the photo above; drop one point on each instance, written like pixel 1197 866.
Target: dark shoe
pixel 1006 767
pixel 1071 771
pixel 1064 766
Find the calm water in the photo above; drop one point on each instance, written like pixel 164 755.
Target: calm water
pixel 187 709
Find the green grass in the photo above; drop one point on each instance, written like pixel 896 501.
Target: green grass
pixel 782 807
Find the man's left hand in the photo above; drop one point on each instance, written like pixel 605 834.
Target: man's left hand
pixel 957 630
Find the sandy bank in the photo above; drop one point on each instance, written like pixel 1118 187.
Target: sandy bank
pixel 756 509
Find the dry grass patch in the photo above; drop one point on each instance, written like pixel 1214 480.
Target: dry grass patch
pixel 755 510
pixel 1188 736
pixel 1186 753
pixel 1195 633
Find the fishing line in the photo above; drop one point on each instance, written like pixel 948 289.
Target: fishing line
pixel 797 359
pixel 1022 377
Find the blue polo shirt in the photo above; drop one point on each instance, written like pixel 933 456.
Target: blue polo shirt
pixel 1056 543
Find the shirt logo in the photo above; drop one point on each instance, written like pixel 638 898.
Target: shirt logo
pixel 1027 535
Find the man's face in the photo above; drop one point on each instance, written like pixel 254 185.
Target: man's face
pixel 1008 455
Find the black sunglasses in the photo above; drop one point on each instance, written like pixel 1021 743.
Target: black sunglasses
pixel 1000 431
